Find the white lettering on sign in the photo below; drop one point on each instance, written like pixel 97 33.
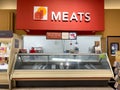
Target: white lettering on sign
pixel 56 17
pixel 73 17
pixel 87 15
pixel 65 16
pixel 81 14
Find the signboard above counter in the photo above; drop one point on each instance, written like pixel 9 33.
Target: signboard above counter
pixel 61 35
pixel 65 15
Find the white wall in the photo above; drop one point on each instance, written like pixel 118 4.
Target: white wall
pixel 59 46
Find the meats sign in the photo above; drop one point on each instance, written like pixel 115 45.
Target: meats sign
pixel 41 13
pixel 65 15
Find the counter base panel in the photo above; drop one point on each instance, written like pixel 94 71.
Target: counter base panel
pixel 74 83
pixel 62 75
pixel 4 86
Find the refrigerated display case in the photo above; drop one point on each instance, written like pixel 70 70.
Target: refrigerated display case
pixel 61 66
pixel 7 53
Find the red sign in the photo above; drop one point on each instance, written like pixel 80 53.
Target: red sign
pixel 65 15
pixel 54 35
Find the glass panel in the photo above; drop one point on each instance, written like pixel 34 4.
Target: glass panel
pixel 61 62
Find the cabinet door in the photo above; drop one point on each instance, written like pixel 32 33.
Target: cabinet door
pixel 6 20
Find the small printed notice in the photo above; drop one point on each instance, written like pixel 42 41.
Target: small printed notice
pixel 54 35
pixel 65 35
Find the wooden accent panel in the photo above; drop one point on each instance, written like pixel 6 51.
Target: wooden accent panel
pixel 104 45
pixel 112 21
pixel 7 19
pixel 117 56
pixel 4 78
pixel 4 21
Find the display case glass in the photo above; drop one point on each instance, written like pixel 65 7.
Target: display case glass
pixel 63 61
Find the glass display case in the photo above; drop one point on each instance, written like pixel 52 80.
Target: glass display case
pixel 36 61
pixel 62 66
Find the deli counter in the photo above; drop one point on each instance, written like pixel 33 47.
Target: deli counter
pixel 61 66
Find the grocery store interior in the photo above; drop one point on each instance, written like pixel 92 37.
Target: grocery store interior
pixel 49 46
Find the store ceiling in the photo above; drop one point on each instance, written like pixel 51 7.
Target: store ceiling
pixel 11 4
